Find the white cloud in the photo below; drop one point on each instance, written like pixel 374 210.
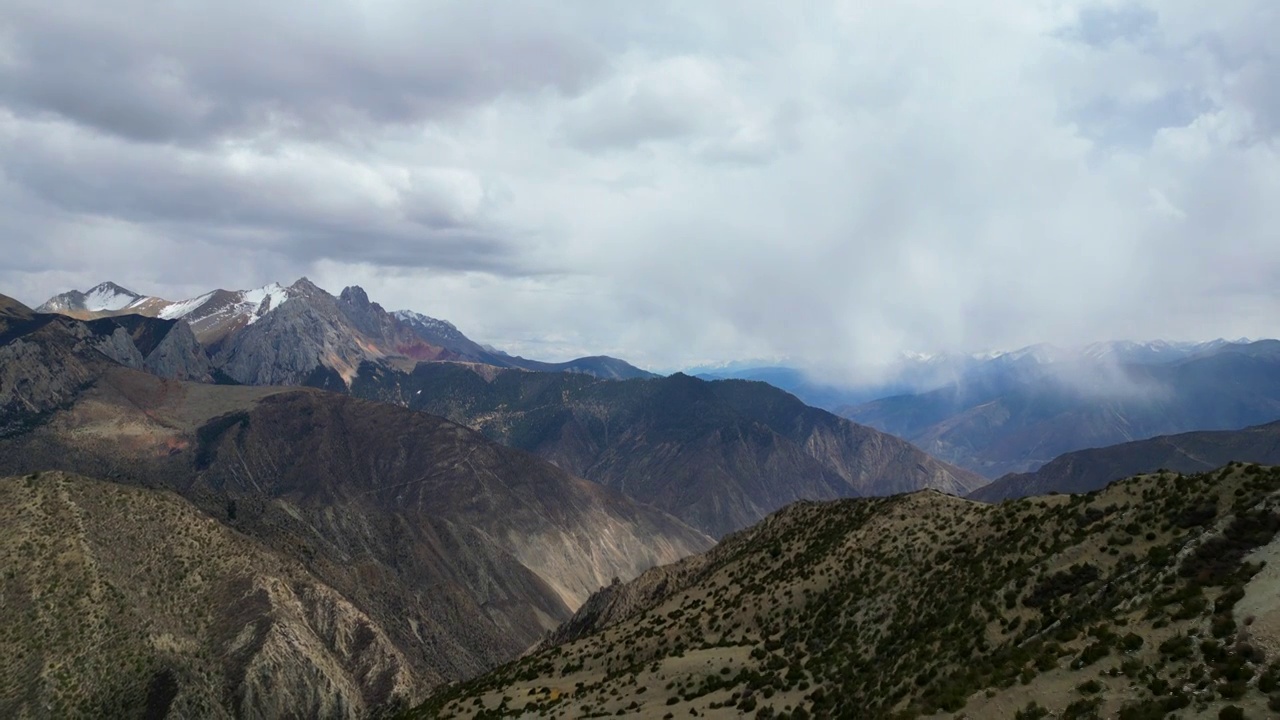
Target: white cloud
pixel 833 183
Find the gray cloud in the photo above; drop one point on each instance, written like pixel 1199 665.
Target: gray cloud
pixel 672 183
pixel 163 72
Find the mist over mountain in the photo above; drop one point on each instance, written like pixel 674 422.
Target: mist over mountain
pixel 1018 411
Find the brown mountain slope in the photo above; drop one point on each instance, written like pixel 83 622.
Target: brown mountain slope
pixel 719 455
pixel 464 550
pixel 123 602
pixel 1146 598
pixel 1092 469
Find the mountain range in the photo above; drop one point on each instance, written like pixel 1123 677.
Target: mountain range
pixel 300 334
pixel 1092 469
pixel 912 373
pixel 282 501
pixel 313 553
pixel 719 455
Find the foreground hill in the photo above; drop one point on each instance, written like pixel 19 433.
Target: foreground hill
pixel 718 455
pixel 1086 470
pixel 1149 597
pixel 460 552
pixel 124 602
pixel 1032 411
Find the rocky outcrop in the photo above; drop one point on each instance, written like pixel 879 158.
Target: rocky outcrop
pixel 178 356
pixel 316 339
pixel 35 380
pixel 117 345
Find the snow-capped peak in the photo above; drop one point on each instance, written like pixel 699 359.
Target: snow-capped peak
pixel 108 296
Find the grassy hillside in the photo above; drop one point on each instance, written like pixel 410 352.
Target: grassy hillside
pixel 1145 598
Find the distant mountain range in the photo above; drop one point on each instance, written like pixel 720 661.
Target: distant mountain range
pixel 915 373
pixel 302 335
pixel 1088 470
pixel 313 554
pixel 1016 412
pixel 719 455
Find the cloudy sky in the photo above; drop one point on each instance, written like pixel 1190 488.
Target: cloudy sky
pixel 673 183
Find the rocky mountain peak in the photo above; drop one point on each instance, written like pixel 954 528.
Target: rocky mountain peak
pixel 303 287
pixel 354 295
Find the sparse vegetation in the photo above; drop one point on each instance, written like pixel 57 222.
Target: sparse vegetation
pixel 922 604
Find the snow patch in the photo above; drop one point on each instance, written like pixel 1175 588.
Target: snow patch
pixel 263 300
pixel 184 308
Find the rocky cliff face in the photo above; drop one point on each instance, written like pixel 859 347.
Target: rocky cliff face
pixel 178 356
pixel 719 455
pixel 316 339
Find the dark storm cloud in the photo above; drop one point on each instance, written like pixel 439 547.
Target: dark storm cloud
pixel 291 208
pixel 177 72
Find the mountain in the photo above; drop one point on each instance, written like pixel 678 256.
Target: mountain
pixel 718 455
pixel 302 335
pixel 1016 415
pixel 1146 598
pixel 1086 470
pixel 459 552
pixel 600 366
pixel 46 359
pixel 102 298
